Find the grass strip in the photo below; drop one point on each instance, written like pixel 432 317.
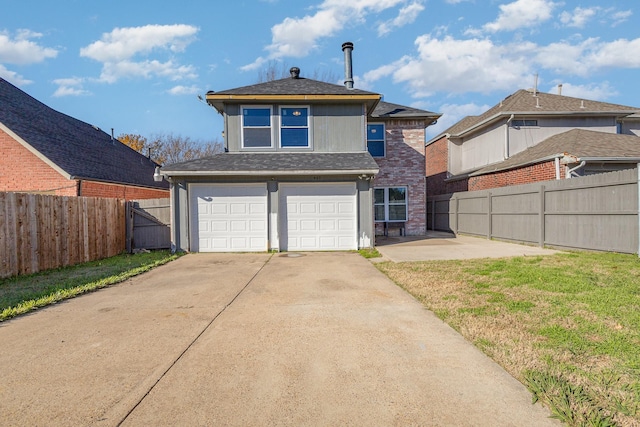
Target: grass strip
pixel 567 326
pixel 22 294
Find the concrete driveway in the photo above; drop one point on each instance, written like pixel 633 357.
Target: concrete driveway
pixel 437 245
pixel 245 339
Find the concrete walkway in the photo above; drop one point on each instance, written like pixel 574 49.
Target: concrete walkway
pixel 252 339
pixel 443 246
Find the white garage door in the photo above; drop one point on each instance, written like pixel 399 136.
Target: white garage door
pixel 228 218
pixel 318 217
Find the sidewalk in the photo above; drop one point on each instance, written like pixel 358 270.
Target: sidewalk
pixel 437 245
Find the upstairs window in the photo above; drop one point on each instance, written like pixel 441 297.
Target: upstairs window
pixel 519 123
pixel 256 127
pixel 375 139
pixel 390 204
pixel 294 126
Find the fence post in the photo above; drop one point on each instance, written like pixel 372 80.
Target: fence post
pixel 129 225
pixel 638 207
pixel 489 213
pixel 541 214
pixel 455 214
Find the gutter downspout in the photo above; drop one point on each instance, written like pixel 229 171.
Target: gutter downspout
pixel 575 169
pixel 557 161
pixel 506 137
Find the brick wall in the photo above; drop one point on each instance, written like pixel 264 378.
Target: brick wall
pixel 534 173
pixel 23 171
pixel 127 192
pixel 436 166
pixel 403 166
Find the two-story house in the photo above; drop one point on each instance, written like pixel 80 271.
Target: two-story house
pixel 308 165
pixel 532 136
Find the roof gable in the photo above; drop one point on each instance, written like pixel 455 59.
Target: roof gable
pixel 525 103
pixel 79 149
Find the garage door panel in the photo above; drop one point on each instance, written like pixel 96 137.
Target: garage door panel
pixel 318 216
pixel 229 217
pixel 327 224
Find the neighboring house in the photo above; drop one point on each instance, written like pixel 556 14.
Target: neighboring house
pixel 47 152
pixel 297 174
pixel 500 147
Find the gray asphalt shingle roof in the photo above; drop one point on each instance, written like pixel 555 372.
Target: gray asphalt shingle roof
pixel 524 103
pixel 578 143
pixel 76 147
pixel 387 110
pixel 281 163
pixel 293 86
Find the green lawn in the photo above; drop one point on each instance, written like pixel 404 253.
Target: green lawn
pixel 567 325
pixel 21 294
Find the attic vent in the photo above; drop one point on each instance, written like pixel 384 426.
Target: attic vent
pixel 95 127
pixel 295 72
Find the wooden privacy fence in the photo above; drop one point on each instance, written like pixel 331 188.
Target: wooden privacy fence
pixel 597 212
pixel 40 232
pixel 148 224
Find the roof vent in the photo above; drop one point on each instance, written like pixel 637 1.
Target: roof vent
pixel 582 104
pixel 295 72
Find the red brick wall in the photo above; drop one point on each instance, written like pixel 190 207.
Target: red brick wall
pixel 436 166
pixel 539 172
pixel 127 192
pixel 403 166
pixel 23 171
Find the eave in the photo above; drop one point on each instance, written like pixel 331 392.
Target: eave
pixel 218 100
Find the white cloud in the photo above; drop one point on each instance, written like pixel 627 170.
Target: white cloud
pixel 13 77
pixel 579 17
pixel 184 90
pixel 72 86
pixel 406 15
pixel 117 50
pixel 620 17
pixel 22 50
pixel 297 37
pixel 596 92
pixel 521 14
pixel 458 66
pixel 590 55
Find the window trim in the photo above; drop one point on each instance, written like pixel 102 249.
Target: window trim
pixel 386 204
pixel 384 139
pixel 281 127
pixel 271 126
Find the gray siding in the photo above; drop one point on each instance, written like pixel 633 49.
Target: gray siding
pixel 332 128
pixel 598 212
pixel 488 146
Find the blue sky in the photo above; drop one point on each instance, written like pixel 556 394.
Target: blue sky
pixel 139 68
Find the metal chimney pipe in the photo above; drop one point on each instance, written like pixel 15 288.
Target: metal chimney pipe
pixel 347 48
pixel 560 89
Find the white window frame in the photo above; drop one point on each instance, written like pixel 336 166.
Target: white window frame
pixel 281 127
pixel 384 139
pixel 271 126
pixel 387 204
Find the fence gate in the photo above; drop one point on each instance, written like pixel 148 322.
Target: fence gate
pixel 148 224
